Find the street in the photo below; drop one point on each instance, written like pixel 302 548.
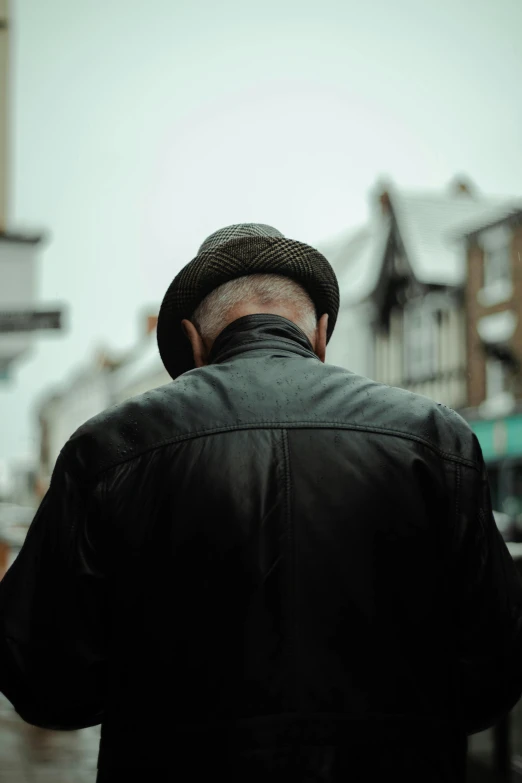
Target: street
pixel 32 755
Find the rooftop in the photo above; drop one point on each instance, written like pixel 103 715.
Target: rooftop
pixel 431 227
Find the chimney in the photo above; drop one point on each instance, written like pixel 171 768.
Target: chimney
pixel 461 186
pixel 380 196
pixel 101 358
pixel 152 321
pixel 104 360
pixel 385 202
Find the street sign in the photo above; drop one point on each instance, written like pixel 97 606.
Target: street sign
pixel 29 320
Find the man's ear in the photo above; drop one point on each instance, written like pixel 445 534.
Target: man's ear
pixel 199 350
pixel 320 340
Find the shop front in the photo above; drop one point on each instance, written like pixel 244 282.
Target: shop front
pixel 499 751
pixel 501 443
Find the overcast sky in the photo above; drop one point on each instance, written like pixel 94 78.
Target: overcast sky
pixel 141 127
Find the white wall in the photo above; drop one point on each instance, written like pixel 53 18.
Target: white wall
pixel 87 396
pixel 145 371
pixel 351 343
pixel 94 389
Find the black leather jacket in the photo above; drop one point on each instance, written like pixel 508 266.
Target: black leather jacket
pixel 267 551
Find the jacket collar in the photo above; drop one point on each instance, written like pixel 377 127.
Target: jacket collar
pixel 257 332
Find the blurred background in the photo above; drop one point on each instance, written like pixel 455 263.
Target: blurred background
pixel 388 135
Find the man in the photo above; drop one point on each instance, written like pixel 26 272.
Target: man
pixel 271 568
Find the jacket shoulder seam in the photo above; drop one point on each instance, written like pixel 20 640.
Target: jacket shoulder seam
pixel 289 425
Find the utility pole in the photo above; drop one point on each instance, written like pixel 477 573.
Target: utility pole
pixel 4 111
pixel 18 290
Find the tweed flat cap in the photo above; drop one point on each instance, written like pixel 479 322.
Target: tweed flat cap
pixel 236 251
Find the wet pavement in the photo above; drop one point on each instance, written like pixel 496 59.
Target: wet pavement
pixel 32 755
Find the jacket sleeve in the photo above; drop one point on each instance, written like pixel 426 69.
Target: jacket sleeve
pixel 53 626
pixel 486 599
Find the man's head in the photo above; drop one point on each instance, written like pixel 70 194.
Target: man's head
pixel 240 270
pixel 249 294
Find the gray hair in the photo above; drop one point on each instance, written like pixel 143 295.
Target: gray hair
pixel 212 314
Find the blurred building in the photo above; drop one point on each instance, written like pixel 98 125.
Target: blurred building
pixel 14 523
pixel 6 482
pixel 23 481
pixel 98 385
pixel 62 411
pixel 402 279
pixel 493 306
pixel 143 369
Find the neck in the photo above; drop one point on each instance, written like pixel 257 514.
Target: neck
pixel 251 308
pixel 259 330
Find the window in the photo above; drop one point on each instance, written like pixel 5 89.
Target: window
pixel 497 378
pixel 420 341
pixel 497 266
pixel 496 243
